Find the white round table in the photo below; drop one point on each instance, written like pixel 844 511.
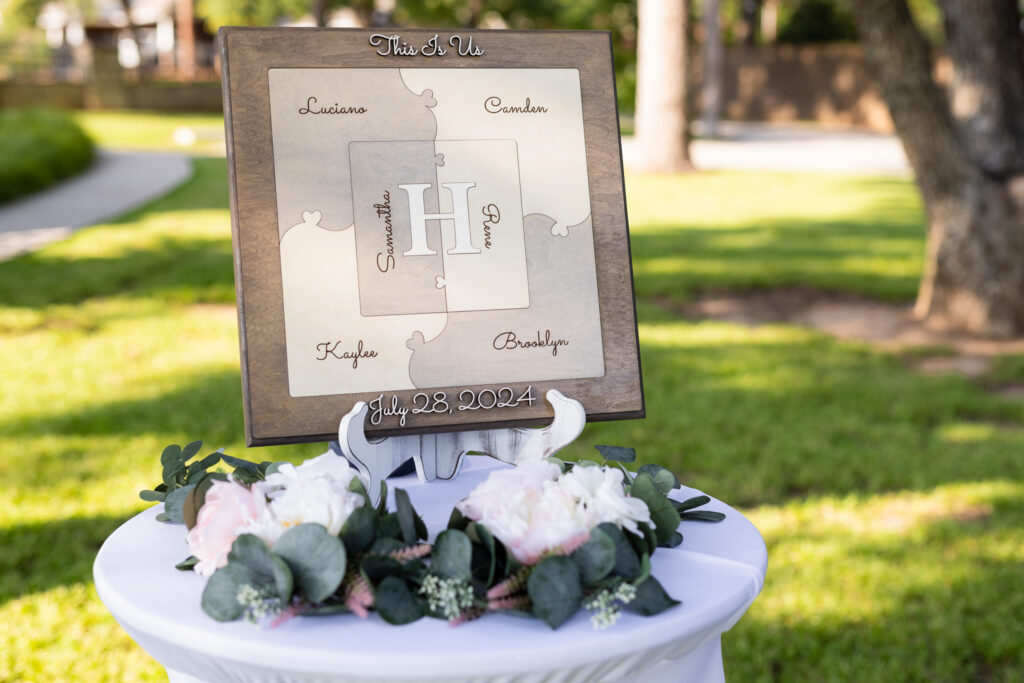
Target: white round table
pixel 717 573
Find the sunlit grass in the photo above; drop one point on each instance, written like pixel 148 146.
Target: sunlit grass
pixel 891 502
pixel 713 231
pixel 155 131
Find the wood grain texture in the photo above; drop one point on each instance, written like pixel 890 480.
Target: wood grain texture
pixel 273 416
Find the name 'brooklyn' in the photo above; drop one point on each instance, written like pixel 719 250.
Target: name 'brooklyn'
pixel 507 341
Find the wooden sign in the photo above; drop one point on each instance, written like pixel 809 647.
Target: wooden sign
pixel 432 222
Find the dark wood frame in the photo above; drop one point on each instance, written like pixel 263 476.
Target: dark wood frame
pixel 272 416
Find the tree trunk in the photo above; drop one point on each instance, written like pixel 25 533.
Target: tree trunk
pixel 186 39
pixel 711 97
pixel 965 155
pixel 662 112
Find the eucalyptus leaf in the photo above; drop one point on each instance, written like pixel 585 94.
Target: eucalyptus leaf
pixel 175 502
pixel 382 501
pixel 379 567
pixel 263 569
pixel 271 468
pixel 152 496
pixel 555 590
pixel 618 453
pixel 485 552
pixel 171 460
pixel 197 496
pixel 406 516
pixel 595 558
pixel 315 558
pixel 676 539
pixel 663 478
pixel 388 527
pixel 562 465
pixel 627 563
pixel 326 610
pixel 187 564
pixel 220 596
pixel 452 554
pixel 190 450
pixel 246 476
pixel 457 520
pixel 663 512
pixel 650 598
pixel 395 603
pixel 359 530
pixel 691 503
pixel 703 516
pixel 420 526
pixel 385 545
pixel 356 486
pixel 239 463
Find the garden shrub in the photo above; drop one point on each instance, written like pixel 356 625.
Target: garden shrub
pixel 38 147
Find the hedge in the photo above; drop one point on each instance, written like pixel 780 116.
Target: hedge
pixel 38 147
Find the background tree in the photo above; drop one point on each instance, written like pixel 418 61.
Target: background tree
pixel 967 151
pixel 662 114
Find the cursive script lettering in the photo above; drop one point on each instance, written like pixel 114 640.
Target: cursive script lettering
pixel 493 105
pixel 493 216
pixel 379 409
pixel 392 45
pixel 332 109
pixel 433 48
pixel 507 341
pixel 466 48
pixel 331 349
pixel 384 211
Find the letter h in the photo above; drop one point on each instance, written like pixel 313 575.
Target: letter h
pixel 418 218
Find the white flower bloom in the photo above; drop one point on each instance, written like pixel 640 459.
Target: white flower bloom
pixel 527 511
pixel 599 491
pixel 315 492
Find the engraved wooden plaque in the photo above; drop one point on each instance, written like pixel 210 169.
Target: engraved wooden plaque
pixel 432 222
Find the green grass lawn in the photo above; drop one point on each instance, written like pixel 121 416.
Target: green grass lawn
pixel 155 131
pixel 892 502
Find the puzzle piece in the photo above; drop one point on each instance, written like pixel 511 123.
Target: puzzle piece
pixel 311 149
pixel 489 347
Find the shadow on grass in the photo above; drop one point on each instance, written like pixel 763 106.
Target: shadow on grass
pixel 175 269
pixel 939 602
pixel 40 556
pixel 778 413
pixel 879 259
pixel 209 405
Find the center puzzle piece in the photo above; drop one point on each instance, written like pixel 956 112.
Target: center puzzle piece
pixel 440 455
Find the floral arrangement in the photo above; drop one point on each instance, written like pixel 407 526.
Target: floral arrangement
pixel 543 539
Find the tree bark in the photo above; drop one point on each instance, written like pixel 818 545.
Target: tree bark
pixel 963 150
pixel 662 111
pixel 711 97
pixel 185 39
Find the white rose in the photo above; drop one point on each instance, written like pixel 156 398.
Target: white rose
pixel 527 511
pixel 600 492
pixel 315 492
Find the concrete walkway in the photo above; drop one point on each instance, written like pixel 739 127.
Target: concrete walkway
pixel 791 147
pixel 116 183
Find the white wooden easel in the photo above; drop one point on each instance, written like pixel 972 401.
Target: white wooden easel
pixel 439 456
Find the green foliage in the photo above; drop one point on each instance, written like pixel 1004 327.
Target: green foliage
pixel 818 21
pixel 217 13
pixel 556 590
pixel 316 559
pixel 452 555
pixel 38 147
pixel 891 502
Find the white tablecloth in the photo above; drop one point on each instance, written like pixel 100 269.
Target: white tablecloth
pixel 717 573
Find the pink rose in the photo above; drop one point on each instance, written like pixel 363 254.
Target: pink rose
pixel 228 508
